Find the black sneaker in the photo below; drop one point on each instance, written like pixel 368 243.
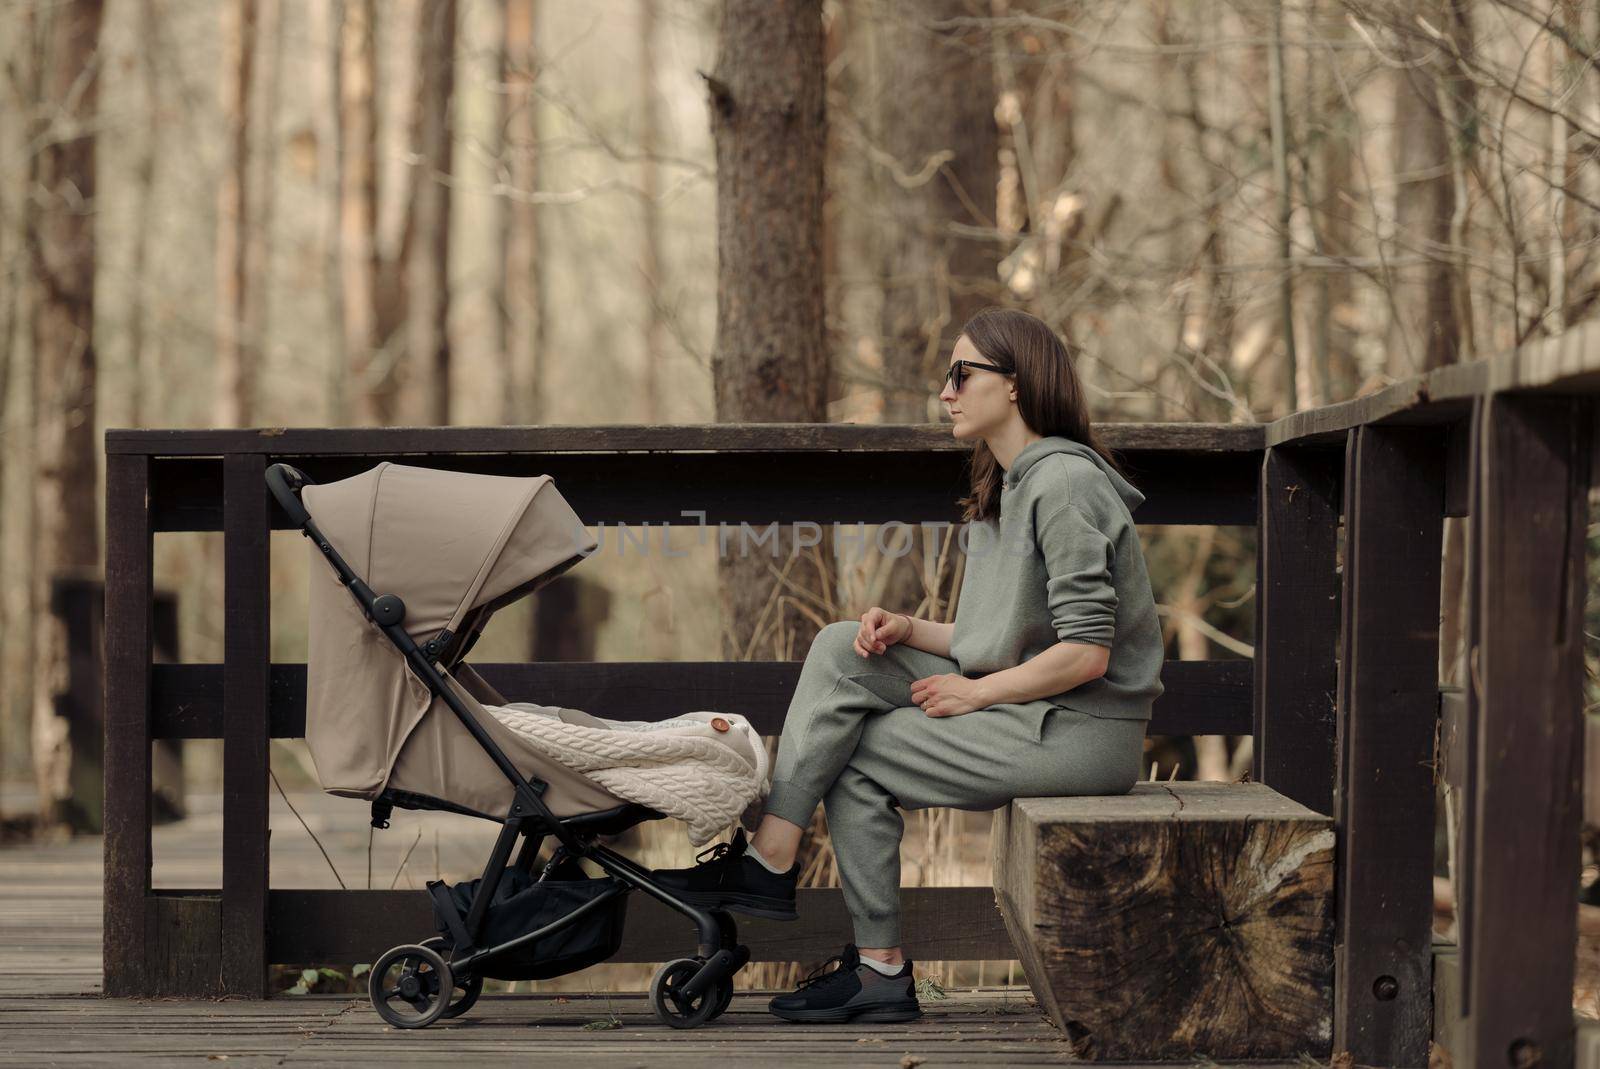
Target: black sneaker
pixel 855 991
pixel 728 878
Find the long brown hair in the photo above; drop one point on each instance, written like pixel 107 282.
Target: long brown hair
pixel 1050 395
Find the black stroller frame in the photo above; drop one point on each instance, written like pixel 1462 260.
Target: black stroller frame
pixel 684 993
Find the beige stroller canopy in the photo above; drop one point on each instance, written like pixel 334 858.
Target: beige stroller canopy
pixel 454 546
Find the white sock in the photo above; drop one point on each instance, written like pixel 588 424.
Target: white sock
pixel 750 848
pixel 883 968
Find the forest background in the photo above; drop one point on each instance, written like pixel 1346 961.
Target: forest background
pixel 258 213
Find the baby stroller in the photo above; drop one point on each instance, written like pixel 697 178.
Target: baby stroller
pixel 425 557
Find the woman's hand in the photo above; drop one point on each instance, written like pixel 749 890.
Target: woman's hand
pixel 949 694
pixel 881 629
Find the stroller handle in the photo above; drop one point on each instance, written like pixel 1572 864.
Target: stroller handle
pixel 285 482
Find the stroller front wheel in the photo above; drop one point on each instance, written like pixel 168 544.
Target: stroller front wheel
pixel 410 986
pixel 470 988
pixel 679 1009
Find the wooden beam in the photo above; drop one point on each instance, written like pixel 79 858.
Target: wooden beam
pixel 1525 730
pixel 824 487
pixel 1388 709
pixel 245 734
pixel 1201 697
pixel 127 740
pixel 1458 465
pixel 1566 364
pixel 874 438
pixel 351 927
pixel 1453 737
pixel 1297 625
pixel 186 940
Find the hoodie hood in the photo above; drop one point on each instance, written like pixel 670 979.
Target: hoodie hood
pixel 1033 451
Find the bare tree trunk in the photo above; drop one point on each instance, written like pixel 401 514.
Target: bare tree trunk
pixel 11 295
pixel 938 125
pixel 1207 325
pixel 327 21
pixel 373 276
pixel 235 330
pixel 429 276
pixel 144 183
pixel 62 248
pixel 1176 174
pixel 245 204
pixel 1333 343
pixel 655 332
pixel 373 279
pixel 1559 57
pixel 263 215
pixel 358 198
pixel 769 123
pixel 522 312
pixel 1278 108
pixel 1424 333
pixel 20 662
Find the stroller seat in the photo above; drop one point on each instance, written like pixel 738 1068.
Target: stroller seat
pixel 417 561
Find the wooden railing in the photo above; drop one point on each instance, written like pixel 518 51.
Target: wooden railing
pixel 1353 736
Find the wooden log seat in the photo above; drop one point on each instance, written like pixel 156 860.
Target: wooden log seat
pixel 1182 919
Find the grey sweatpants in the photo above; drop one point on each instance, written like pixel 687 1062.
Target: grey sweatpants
pixel 855 741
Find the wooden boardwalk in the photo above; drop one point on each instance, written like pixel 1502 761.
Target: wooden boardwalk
pixel 984 1029
pixel 51 1012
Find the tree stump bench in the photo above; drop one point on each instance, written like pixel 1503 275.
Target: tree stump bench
pixel 1179 920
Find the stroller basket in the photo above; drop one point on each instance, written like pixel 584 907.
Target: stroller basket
pixel 522 904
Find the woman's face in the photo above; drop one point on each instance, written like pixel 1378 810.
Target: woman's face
pixel 986 401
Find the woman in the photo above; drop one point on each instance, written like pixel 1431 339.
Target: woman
pixel 1042 686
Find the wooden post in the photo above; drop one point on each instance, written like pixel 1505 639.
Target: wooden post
pixel 127 705
pixel 79 605
pixel 245 730
pixel 1297 625
pixel 1520 848
pixel 1388 709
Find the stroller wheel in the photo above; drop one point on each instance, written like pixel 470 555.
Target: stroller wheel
pixel 725 991
pixel 676 1008
pixel 466 991
pixel 730 941
pixel 410 986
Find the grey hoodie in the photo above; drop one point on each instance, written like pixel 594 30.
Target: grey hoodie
pixel 1063 564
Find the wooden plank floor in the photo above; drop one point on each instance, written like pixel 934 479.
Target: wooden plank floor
pixel 990 1028
pixel 50 1012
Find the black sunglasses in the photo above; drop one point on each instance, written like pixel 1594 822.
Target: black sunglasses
pixel 956 373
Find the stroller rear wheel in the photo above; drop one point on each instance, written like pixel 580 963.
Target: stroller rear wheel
pixel 469 988
pixel 730 941
pixel 679 1009
pixel 410 986
pixel 725 991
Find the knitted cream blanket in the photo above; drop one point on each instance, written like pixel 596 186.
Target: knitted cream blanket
pixel 684 767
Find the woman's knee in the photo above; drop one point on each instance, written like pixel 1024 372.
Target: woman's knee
pixel 834 640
